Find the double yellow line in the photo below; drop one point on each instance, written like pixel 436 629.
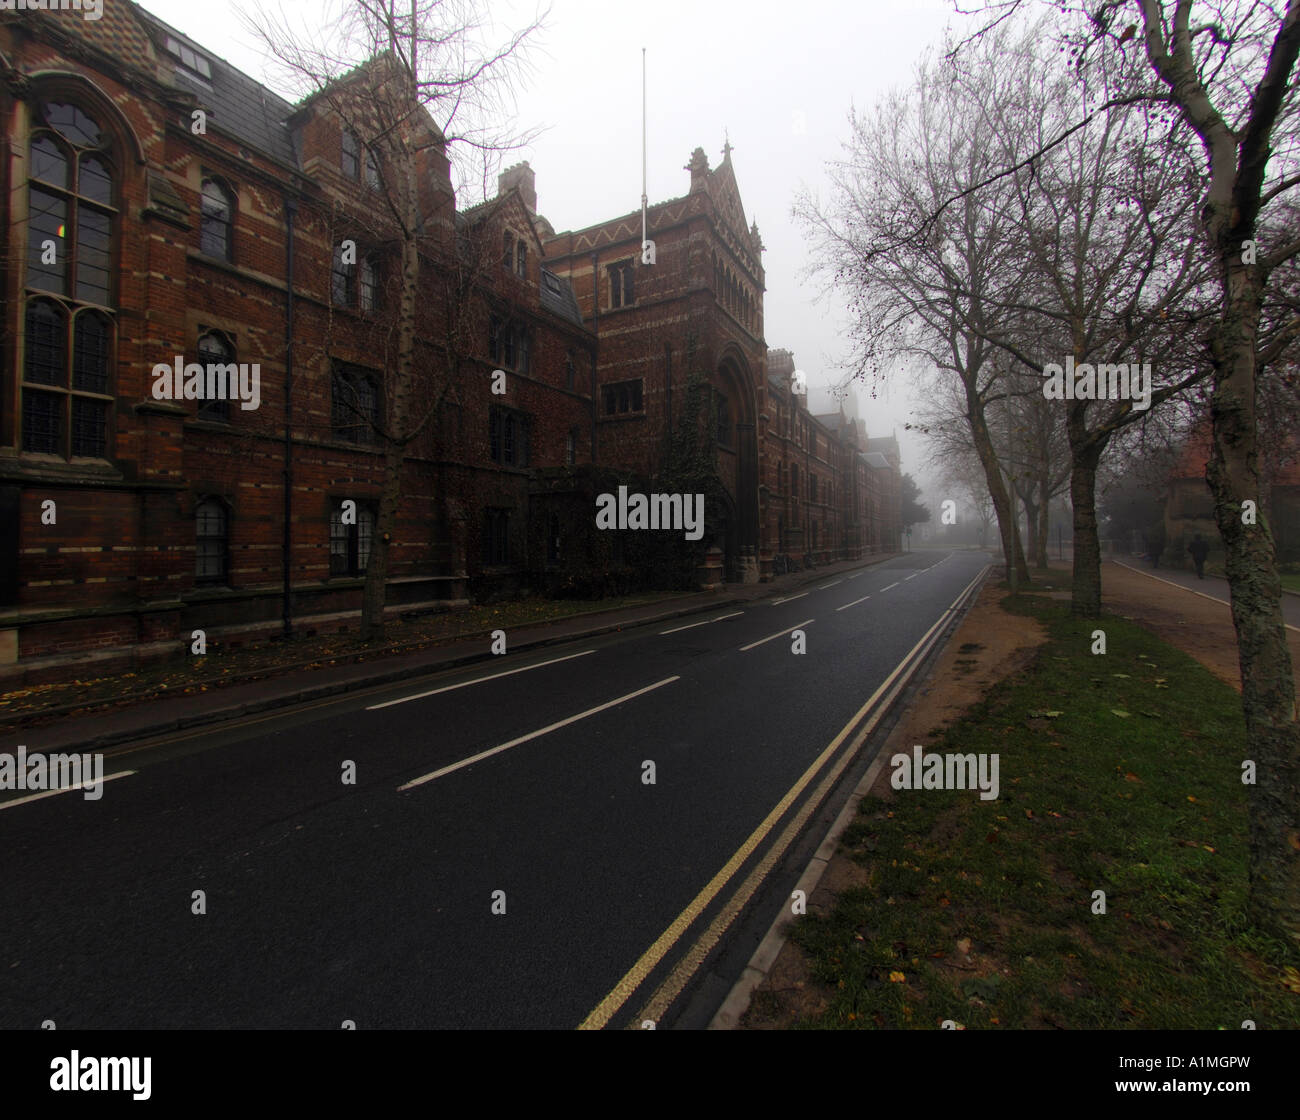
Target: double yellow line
pixel 694 957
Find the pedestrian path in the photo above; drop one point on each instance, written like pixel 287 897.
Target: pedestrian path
pixel 1212 587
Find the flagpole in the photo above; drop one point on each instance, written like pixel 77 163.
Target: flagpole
pixel 643 151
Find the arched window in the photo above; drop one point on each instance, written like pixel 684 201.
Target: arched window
pixel 216 220
pixel 215 349
pixel 67 345
pixel 70 206
pixel 211 541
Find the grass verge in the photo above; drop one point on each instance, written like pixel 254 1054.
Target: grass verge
pixel 1119 773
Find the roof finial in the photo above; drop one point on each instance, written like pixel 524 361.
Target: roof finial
pixel 726 147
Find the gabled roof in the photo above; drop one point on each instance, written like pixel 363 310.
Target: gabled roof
pixel 877 460
pixel 234 102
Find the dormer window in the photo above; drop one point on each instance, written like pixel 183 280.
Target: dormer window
pixel 188 57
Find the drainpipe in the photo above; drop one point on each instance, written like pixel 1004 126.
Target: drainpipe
pixel 290 209
pixel 595 329
pixel 668 405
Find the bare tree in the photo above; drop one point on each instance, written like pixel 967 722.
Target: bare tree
pixel 409 81
pixel 1228 69
pixel 1104 215
pixel 919 295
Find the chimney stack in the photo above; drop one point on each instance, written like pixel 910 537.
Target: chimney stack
pixel 521 176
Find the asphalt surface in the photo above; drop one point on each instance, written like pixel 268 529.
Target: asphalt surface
pixel 373 903
pixel 1214 587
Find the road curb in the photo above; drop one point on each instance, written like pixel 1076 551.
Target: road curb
pixel 760 964
pixel 320 692
pixel 737 1001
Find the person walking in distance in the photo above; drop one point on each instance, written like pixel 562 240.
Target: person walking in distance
pixel 1199 550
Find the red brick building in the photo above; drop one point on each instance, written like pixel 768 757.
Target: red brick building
pixel 800 487
pixel 1189 505
pixel 164 211
pixel 138 233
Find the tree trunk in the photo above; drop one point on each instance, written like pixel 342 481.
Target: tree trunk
pixel 1031 526
pixel 1002 501
pixel 398 413
pixel 1267 684
pixel 375 594
pixel 1044 523
pixel 1085 594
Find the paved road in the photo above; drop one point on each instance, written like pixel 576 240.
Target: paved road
pixel 373 901
pixel 1214 587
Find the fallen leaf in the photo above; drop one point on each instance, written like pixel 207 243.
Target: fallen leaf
pixel 897 978
pixel 1119 712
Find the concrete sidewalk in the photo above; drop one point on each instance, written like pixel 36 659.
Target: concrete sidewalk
pixel 114 726
pixel 1192 618
pixel 1216 587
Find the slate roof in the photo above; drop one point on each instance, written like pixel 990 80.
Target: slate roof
pixel 558 297
pixel 234 102
pixel 877 460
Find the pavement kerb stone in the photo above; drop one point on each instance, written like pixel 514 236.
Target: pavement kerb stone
pixel 306 695
pixel 764 957
pixel 760 964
